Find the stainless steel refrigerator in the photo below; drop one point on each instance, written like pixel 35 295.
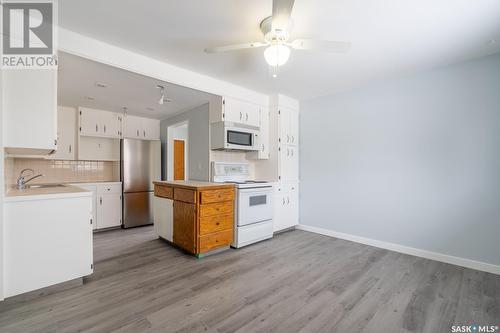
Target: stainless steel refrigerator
pixel 140 166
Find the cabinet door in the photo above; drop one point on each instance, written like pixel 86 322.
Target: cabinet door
pixel 292 205
pixel 66 134
pixel 109 209
pixel 284 126
pixel 252 115
pixel 93 189
pixel 132 127
pixel 110 124
pixel 184 225
pixel 90 122
pixel 30 109
pixel 279 219
pixel 292 165
pixel 233 110
pixel 151 129
pixel 294 127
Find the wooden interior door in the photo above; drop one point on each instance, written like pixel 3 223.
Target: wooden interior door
pixel 179 159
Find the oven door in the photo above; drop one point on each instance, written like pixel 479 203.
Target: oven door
pixel 254 205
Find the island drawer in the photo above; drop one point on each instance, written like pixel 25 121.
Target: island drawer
pixel 215 240
pixel 185 195
pixel 211 196
pixel 215 223
pixel 164 192
pixel 218 208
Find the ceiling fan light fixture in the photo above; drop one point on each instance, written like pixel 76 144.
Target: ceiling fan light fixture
pixel 277 55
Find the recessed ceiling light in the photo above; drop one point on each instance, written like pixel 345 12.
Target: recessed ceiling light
pixel 150 109
pixel 90 98
pixel 101 85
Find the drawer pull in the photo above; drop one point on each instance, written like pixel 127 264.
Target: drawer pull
pixel 217 223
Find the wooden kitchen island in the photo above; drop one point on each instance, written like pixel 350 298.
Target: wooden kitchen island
pixel 203 214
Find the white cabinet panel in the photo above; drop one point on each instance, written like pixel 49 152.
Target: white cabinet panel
pixel 93 189
pixel 141 128
pixel 106 203
pixel 151 129
pixel 30 111
pixel 109 210
pixel 98 149
pixel 66 134
pixel 132 127
pixel 99 123
pixel 264 151
pixel 286 207
pixel 242 112
pixel 46 242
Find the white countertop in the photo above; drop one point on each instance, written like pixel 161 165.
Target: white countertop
pixel 44 193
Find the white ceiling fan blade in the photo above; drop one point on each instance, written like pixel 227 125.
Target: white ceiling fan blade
pixel 282 10
pixel 234 47
pixel 320 45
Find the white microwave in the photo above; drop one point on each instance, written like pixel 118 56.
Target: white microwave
pixel 232 136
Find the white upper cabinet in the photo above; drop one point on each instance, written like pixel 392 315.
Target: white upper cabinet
pixel 66 134
pixel 151 129
pixel 141 128
pixel 241 112
pixel 264 151
pixel 99 123
pixel 289 126
pixel 234 110
pixel 30 111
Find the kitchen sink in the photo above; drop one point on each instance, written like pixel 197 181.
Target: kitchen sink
pixel 45 185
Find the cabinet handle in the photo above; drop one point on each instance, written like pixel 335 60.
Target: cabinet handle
pixel 291 151
pixel 100 201
pixel 287 152
pixel 144 133
pixel 287 138
pixel 137 132
pixel 283 201
pixel 104 128
pixel 247 116
pixel 96 127
pixel 70 149
pixel 217 223
pixel 262 147
pixel 287 200
pixel 293 138
pixel 241 115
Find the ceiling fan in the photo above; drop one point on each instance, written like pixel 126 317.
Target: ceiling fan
pixel 276 30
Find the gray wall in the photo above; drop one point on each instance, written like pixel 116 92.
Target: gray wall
pixel 198 142
pixel 414 161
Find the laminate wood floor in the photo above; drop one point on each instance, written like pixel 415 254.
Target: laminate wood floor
pixel 296 282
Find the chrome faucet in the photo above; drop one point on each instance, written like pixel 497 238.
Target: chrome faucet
pixel 21 181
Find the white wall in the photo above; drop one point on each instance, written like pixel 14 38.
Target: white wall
pixel 198 142
pixel 413 162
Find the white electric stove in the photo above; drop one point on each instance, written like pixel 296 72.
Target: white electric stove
pixel 253 216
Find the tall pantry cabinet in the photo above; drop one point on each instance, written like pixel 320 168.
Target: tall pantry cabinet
pixel 283 163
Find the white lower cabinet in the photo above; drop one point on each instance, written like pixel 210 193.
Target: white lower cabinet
pixel 163 212
pixel 47 240
pixel 286 206
pixel 106 204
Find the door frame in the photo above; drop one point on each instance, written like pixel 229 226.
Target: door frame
pixel 170 150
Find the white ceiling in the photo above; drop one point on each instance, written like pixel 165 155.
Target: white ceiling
pixel 390 37
pixel 77 80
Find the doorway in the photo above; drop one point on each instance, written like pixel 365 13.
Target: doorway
pixel 177 151
pixel 179 161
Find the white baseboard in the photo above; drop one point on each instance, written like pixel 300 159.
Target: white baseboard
pixel 480 266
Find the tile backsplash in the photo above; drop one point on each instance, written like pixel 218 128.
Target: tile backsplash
pixel 57 171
